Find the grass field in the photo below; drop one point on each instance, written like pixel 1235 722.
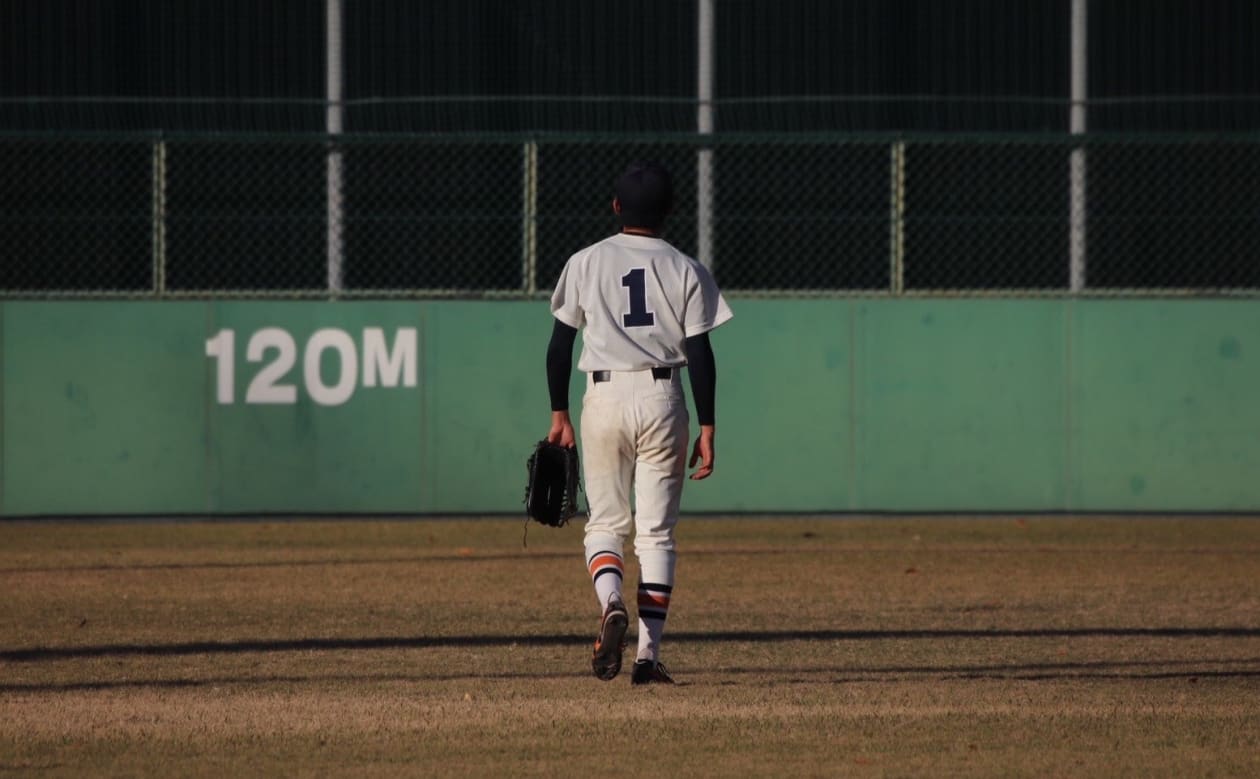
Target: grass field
pixel 802 647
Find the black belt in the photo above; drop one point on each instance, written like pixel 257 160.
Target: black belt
pixel 657 373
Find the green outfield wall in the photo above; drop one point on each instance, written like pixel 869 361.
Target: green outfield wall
pixel 207 407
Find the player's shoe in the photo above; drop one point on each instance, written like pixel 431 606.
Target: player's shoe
pixel 611 641
pixel 649 672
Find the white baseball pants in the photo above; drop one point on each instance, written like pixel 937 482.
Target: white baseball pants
pixel 634 438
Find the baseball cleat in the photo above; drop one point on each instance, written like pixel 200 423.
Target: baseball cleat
pixel 611 641
pixel 648 672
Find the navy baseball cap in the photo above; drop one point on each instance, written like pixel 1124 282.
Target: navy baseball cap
pixel 646 193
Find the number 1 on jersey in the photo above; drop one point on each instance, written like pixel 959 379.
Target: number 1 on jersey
pixel 639 316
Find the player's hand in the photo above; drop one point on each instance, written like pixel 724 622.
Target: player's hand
pixel 561 430
pixel 703 453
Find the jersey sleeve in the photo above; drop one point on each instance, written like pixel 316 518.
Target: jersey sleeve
pixel 565 302
pixel 706 308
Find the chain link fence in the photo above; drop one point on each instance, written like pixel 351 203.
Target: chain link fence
pixel 497 216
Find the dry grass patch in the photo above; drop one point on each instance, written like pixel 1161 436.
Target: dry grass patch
pixel 804 646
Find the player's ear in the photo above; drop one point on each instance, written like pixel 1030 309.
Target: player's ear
pixel 616 206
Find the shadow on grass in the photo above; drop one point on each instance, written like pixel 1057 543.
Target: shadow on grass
pixel 472 557
pixel 37 654
pixel 1192 670
pixel 227 681
pixel 1153 670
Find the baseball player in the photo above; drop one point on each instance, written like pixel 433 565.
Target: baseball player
pixel 647 309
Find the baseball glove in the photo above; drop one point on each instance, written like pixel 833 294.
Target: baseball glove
pixel 551 491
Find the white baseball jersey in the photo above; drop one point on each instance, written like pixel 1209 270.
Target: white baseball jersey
pixel 638 298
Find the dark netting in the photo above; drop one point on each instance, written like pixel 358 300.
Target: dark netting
pixel 76 215
pixel 986 216
pixel 811 216
pixel 433 216
pixel 1174 215
pixel 498 216
pixel 245 215
pixel 452 66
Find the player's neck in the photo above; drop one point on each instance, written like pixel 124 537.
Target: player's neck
pixel 641 231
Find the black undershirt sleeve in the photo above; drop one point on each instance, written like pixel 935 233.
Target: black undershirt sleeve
pixel 560 364
pixel 702 368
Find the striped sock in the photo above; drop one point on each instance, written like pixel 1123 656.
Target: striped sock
pixel 653 609
pixel 606 571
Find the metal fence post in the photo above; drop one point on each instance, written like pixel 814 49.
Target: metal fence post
pixel 704 126
pixel 1077 247
pixel 159 217
pixel 334 123
pixel 897 218
pixel 529 214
